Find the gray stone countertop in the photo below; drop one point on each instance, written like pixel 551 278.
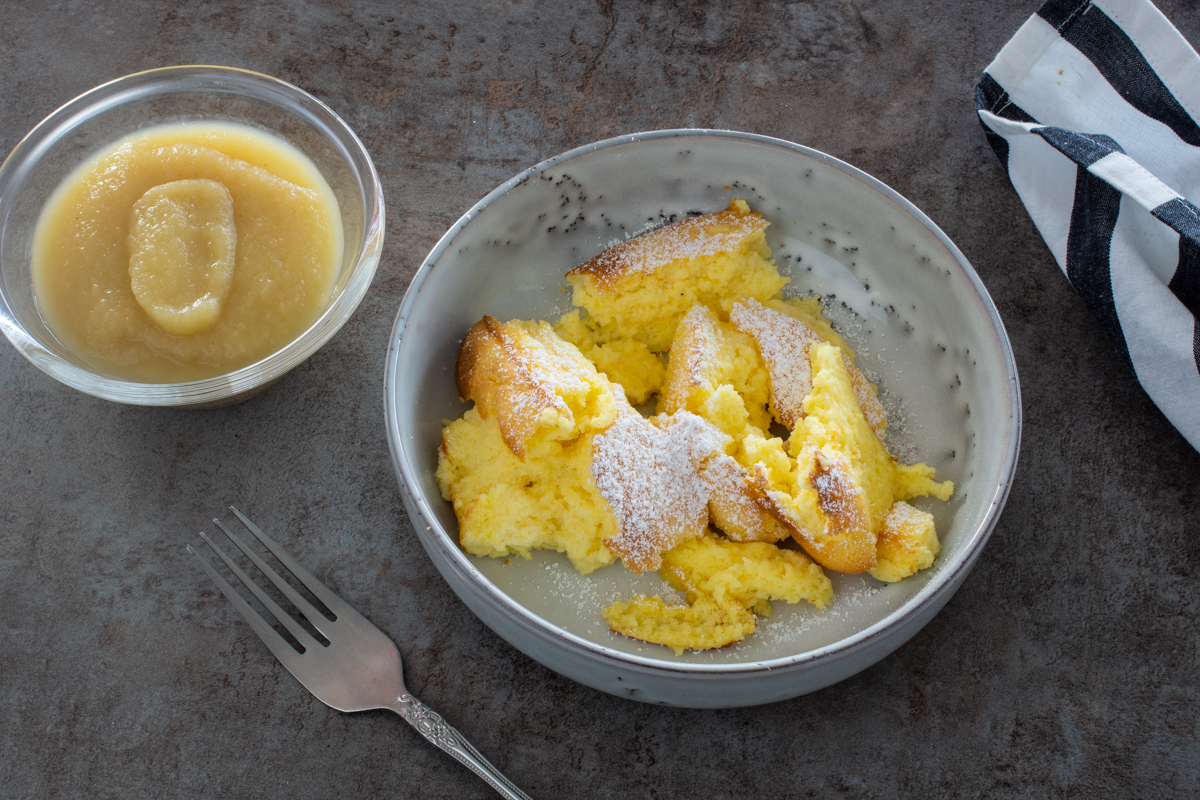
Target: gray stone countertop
pixel 1067 665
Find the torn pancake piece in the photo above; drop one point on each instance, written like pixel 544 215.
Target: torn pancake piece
pixel 908 543
pixel 727 583
pixel 734 507
pixel 843 482
pixel 517 466
pixel 641 288
pixel 825 511
pixel 531 381
pixel 702 625
pixel 784 341
pixel 748 573
pixel 648 471
pixel 508 506
pixel 715 372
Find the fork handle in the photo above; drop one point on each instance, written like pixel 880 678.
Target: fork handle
pixel 433 727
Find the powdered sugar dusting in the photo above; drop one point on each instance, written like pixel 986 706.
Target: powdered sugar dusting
pixel 783 342
pixel 540 369
pixel 731 504
pixel 708 235
pixel 515 373
pixel 649 475
pixel 699 327
pixel 900 441
pixel 848 602
pixel 839 496
pixel 555 363
pixel 902 515
pixel 692 350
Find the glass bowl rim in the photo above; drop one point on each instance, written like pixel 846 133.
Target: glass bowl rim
pixel 244 380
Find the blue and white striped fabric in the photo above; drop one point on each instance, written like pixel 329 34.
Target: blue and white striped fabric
pixel 1092 109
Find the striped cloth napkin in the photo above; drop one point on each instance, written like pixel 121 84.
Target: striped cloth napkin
pixel 1092 108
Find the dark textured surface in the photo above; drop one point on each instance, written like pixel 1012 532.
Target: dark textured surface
pixel 1066 666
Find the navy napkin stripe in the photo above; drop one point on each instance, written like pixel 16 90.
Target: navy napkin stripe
pixel 1184 217
pixel 1093 218
pixel 1083 150
pixel 1105 157
pixel 1121 63
pixel 1185 283
pixel 1181 215
pixel 991 95
pixel 1060 13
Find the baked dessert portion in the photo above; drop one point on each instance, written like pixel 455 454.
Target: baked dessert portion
pixel 516 467
pixel 639 289
pixel 649 472
pixel 766 430
pixel 727 584
pixel 553 456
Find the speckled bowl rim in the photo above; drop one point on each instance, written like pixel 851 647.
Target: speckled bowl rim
pixel 946 580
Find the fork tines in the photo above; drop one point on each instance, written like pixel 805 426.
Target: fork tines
pixel 283 650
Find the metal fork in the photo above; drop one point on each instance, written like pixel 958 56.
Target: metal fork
pixel 358 670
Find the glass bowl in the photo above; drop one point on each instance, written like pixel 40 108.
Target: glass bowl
pixel 902 294
pixel 97 119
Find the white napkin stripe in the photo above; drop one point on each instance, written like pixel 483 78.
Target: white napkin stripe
pixel 1028 44
pixel 1122 64
pixel 1115 167
pixel 1007 127
pixel 1105 172
pixel 1065 88
pixel 1163 47
pixel 1157 329
pixel 1126 175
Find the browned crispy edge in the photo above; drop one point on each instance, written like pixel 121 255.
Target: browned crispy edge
pixel 719 516
pixel 492 372
pixel 607 268
pixel 851 549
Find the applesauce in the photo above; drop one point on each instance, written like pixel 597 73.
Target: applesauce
pixel 186 251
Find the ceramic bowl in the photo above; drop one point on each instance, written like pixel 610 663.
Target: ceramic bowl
pixel 898 289
pixel 108 113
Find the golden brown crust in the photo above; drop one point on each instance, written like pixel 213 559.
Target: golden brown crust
pixel 734 507
pixel 499 375
pixel 841 501
pixel 692 352
pixel 783 342
pixel 707 235
pixel 868 401
pixel 846 544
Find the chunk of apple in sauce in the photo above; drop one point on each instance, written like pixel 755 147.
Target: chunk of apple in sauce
pixel 182 243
